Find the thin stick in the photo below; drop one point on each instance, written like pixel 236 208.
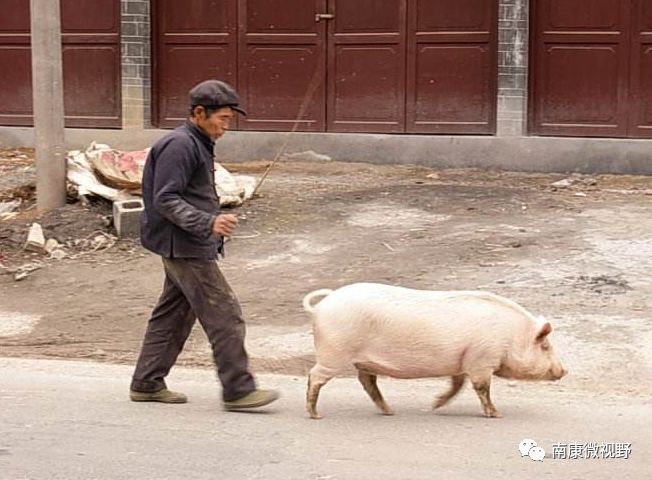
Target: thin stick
pixel 312 88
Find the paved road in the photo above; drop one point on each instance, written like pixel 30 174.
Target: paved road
pixel 71 420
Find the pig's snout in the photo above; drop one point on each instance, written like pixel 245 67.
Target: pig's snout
pixel 557 372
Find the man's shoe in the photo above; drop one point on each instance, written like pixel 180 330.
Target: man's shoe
pixel 163 396
pixel 255 399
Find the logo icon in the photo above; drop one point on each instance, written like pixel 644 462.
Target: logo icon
pixel 529 447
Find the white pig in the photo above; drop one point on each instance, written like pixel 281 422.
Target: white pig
pixel 405 333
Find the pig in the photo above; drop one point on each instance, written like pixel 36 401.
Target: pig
pixel 405 333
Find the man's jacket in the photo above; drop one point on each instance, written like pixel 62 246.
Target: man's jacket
pixel 179 196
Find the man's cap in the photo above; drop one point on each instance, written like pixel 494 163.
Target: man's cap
pixel 215 93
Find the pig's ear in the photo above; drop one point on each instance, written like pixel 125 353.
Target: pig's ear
pixel 544 331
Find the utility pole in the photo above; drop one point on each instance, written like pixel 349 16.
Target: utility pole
pixel 47 85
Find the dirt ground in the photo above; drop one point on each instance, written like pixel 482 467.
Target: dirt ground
pixel 580 255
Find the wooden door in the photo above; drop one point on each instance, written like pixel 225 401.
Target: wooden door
pixel 91 55
pixel 452 66
pixel 91 63
pixel 580 67
pixel 366 66
pixel 640 122
pixel 15 64
pixel 282 64
pixel 195 41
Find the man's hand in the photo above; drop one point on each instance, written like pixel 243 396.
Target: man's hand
pixel 224 225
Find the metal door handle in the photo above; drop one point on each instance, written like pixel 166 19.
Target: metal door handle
pixel 324 16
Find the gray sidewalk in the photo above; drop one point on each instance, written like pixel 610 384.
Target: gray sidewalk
pixel 72 420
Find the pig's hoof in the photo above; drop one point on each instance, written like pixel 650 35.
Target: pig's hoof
pixel 388 412
pixel 493 414
pixel 315 416
pixel 440 402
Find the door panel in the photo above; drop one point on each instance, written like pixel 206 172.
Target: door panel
pixel 195 41
pixel 366 65
pixel 15 64
pixel 452 66
pixel 640 124
pixel 442 99
pixel 451 15
pixel 578 15
pixel 90 79
pixel 91 54
pixel 580 68
pixel 282 64
pixel 91 63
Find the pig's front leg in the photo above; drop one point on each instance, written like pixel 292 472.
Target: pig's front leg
pixel 457 382
pixel 370 385
pixel 481 385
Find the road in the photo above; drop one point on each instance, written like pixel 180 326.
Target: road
pixel 72 420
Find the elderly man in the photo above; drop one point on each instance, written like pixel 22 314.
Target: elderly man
pixel 182 223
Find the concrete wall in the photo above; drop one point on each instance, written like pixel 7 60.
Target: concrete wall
pixel 543 154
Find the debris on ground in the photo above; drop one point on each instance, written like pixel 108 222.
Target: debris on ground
pixel 97 177
pixel 308 156
pixel 80 174
pixel 97 241
pixel 9 207
pixel 116 175
pixel 126 217
pixel 233 190
pixel 35 239
pixel 51 245
pixel 120 170
pixel 23 271
pixel 64 233
pixel 604 284
pixel 8 215
pixel 565 183
pixel 58 254
pixel 634 191
pixel 576 182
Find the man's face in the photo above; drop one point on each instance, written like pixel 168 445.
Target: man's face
pixel 216 124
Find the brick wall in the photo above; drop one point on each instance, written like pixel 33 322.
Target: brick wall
pixel 513 35
pixel 136 58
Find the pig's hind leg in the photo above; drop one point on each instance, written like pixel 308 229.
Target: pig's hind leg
pixel 369 382
pixel 318 377
pixel 457 382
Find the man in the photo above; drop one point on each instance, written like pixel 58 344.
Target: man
pixel 182 223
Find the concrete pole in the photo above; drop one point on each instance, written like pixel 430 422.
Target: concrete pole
pixel 47 84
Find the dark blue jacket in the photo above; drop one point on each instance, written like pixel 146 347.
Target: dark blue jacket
pixel 179 195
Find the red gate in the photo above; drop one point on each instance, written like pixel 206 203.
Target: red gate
pixel 591 68
pixel 452 66
pixel 91 63
pixel 281 54
pixel 366 66
pixel 641 72
pixel 393 66
pixel 580 68
pixel 196 40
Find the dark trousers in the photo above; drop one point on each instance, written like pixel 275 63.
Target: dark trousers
pixel 195 288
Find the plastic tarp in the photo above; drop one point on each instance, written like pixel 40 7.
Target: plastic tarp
pixel 116 175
